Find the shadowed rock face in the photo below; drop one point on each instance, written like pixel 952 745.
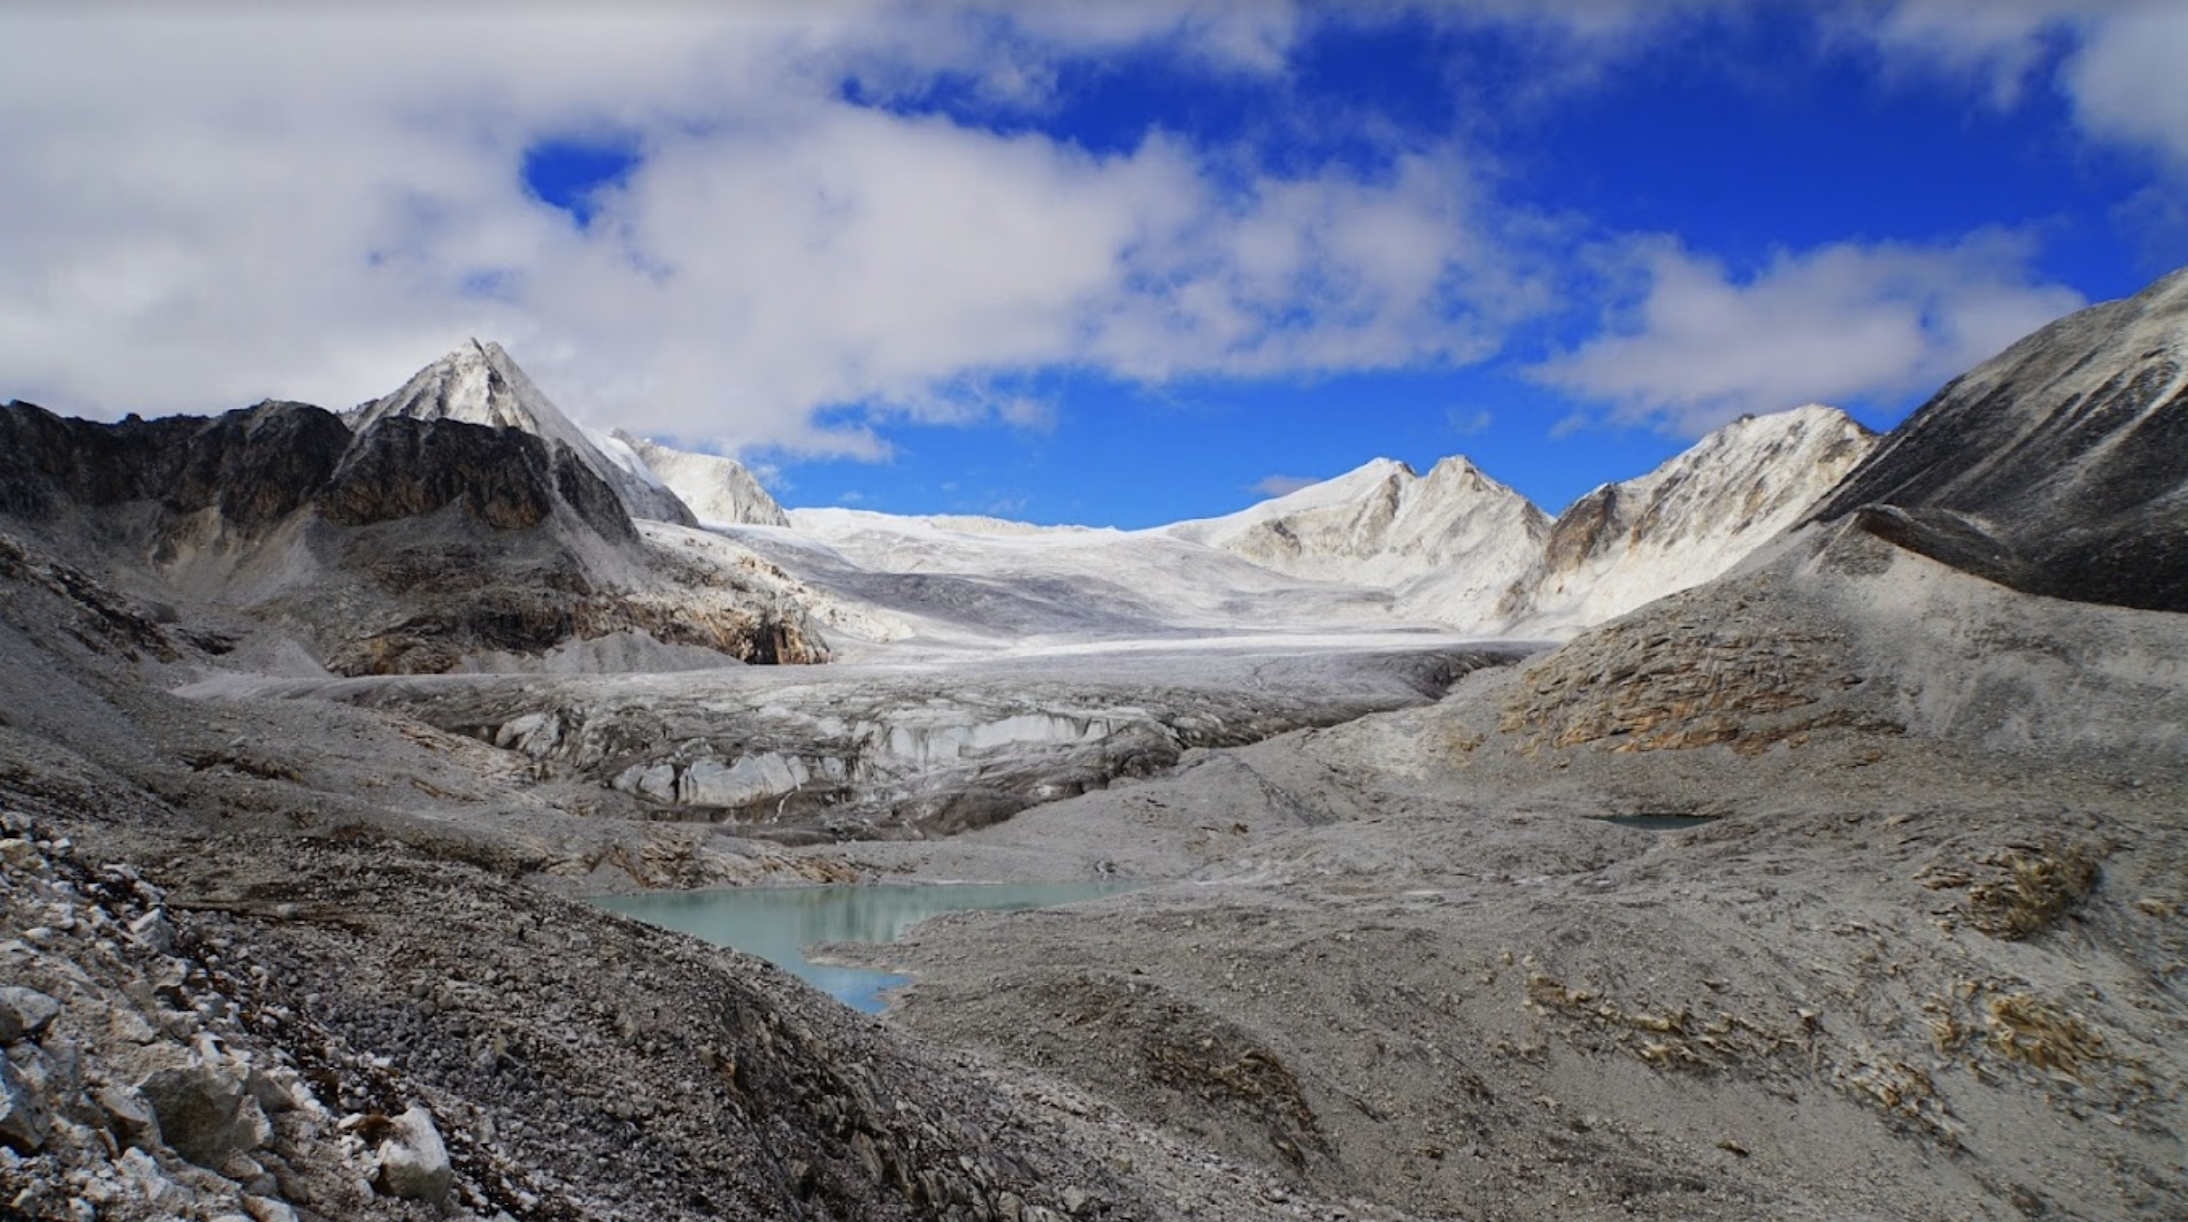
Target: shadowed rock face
pixel 436 538
pixel 2060 467
pixel 402 467
pixel 256 465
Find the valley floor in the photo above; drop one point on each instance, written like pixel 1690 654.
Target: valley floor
pixel 1928 958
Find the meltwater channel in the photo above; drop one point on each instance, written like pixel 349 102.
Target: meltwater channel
pixel 778 923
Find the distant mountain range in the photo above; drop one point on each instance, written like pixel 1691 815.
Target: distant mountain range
pixel 465 518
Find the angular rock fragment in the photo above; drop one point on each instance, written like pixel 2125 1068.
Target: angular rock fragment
pixel 413 1162
pixel 205 1114
pixel 24 1117
pixel 25 1013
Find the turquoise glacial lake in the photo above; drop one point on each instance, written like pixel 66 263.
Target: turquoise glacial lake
pixel 778 923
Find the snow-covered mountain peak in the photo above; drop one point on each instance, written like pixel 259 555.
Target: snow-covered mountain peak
pixel 720 491
pixel 480 383
pixel 1383 525
pixel 1691 518
pixel 477 383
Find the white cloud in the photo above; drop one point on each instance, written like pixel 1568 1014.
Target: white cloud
pixel 2115 62
pixel 2126 81
pixel 231 204
pixel 215 208
pixel 1281 485
pixel 1841 323
pixel 1999 43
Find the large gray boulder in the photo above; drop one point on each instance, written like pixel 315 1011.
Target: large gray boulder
pixel 25 1013
pixel 24 1116
pixel 413 1162
pixel 205 1113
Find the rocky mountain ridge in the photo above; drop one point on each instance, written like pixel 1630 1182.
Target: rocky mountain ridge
pixel 1451 547
pixel 416 543
pixel 2058 467
pixel 1628 543
pixel 479 383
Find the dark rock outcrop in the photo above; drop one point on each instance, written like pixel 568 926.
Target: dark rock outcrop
pixel 402 467
pixel 2059 467
pixel 428 538
pixel 256 465
pixel 480 384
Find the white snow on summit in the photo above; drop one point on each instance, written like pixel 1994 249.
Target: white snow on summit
pixel 1687 521
pixel 720 491
pixel 1384 527
pixel 1378 548
pixel 479 383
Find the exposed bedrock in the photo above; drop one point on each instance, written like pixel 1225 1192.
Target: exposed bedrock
pixel 416 545
pixel 2059 467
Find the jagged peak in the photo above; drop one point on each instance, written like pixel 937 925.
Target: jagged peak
pixel 1806 417
pixel 1461 469
pixel 1752 438
pixel 478 382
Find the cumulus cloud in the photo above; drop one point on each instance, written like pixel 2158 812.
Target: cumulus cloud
pixel 2000 44
pixel 2126 81
pixel 2115 62
pixel 234 203
pixel 210 209
pixel 1843 323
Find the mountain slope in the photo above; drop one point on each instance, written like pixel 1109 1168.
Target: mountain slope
pixel 2059 467
pixel 480 384
pixel 1687 521
pixel 1383 526
pixel 995 582
pixel 412 545
pixel 1457 548
pixel 716 489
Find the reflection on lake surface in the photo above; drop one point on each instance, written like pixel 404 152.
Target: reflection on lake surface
pixel 778 923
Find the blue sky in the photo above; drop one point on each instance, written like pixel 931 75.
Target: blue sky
pixel 1114 264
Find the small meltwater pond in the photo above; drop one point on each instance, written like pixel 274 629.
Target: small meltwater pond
pixel 778 923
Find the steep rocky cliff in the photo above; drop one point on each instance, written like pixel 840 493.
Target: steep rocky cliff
pixel 479 383
pixel 254 466
pixel 2059 467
